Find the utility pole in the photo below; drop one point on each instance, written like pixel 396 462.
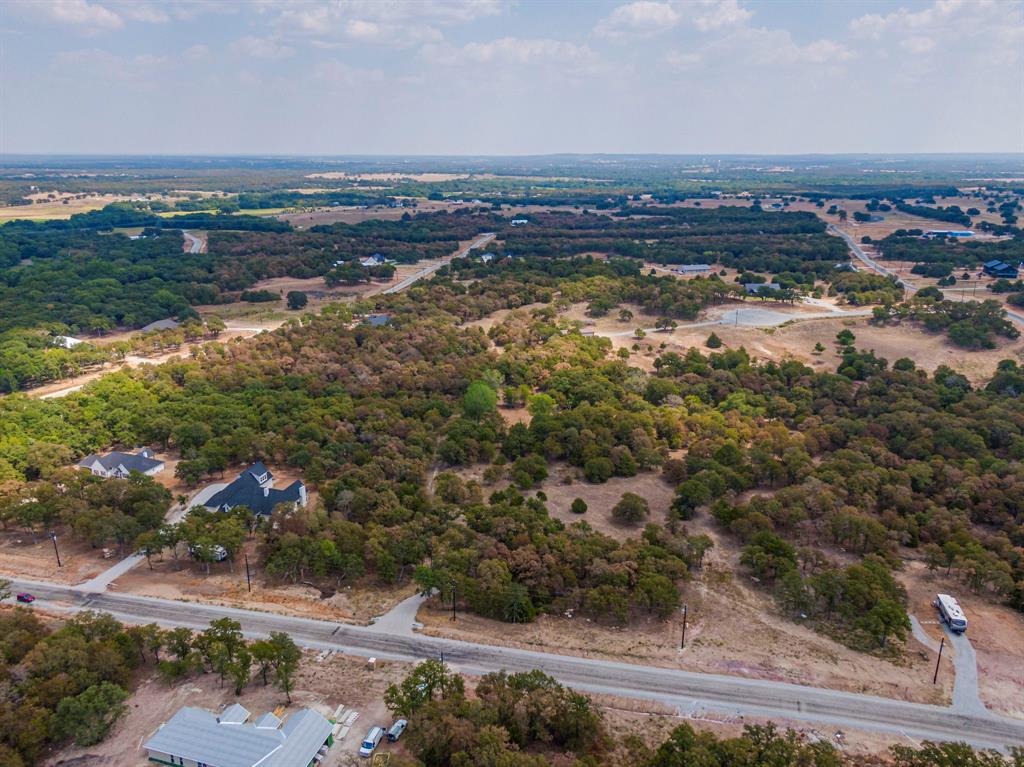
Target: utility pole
pixel 682 643
pixel 248 578
pixel 453 600
pixel 53 537
pixel 942 644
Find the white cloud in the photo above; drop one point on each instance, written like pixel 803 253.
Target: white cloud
pixel 358 29
pixel 873 25
pixel 917 44
pixel 337 73
pixel 196 52
pixel 79 13
pixel 391 22
pixel 146 12
pixel 977 33
pixel 97 65
pixel 645 18
pixel 640 18
pixel 261 48
pixel 683 61
pixel 770 47
pixel 520 52
pixel 717 14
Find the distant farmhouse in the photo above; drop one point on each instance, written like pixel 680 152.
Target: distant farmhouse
pixel 958 233
pixel 168 324
pixel 377 320
pixel 1000 269
pixel 194 737
pixel 756 288
pixel 120 465
pixel 375 260
pixel 519 221
pixel 694 268
pixel 254 488
pixel 66 342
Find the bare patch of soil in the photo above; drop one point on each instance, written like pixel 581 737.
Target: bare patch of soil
pixel 21 556
pixel 996 633
pixel 322 684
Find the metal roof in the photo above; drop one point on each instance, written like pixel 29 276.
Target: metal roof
pixel 202 736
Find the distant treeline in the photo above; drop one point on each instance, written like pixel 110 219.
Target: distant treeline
pixel 951 215
pixel 127 215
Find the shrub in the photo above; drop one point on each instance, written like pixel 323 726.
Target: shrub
pixel 631 509
pixel 598 470
pixel 579 506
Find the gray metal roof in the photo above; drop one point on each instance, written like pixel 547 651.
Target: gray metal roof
pixel 234 714
pixel 196 734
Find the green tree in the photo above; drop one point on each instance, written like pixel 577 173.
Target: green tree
pixel 87 718
pixel 430 680
pixel 297 299
pixel 479 400
pixel 631 509
pixel 286 661
pixel 579 506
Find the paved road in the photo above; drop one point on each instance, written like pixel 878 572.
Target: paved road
pixel 966 698
pixel 479 242
pixel 909 286
pixel 195 244
pixel 691 693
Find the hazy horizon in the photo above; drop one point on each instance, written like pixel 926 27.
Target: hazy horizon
pixel 497 78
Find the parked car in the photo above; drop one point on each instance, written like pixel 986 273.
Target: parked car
pixel 397 729
pixel 371 741
pixel 26 598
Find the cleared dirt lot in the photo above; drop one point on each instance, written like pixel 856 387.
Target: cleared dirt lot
pixel 21 556
pixel 322 684
pixel 796 340
pixel 225 584
pixel 996 632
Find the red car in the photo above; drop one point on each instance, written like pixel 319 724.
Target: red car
pixel 26 598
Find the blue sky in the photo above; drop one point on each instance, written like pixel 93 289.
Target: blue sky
pixel 510 77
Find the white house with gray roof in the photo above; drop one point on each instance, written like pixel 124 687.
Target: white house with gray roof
pixel 120 465
pixel 195 737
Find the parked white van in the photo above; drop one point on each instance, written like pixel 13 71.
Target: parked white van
pixel 371 741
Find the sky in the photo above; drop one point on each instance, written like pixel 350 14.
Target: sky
pixel 507 77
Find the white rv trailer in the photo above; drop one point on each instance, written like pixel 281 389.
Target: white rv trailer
pixel 951 613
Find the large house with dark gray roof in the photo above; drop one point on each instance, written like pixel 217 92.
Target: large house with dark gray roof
pixel 195 737
pixel 120 465
pixel 254 488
